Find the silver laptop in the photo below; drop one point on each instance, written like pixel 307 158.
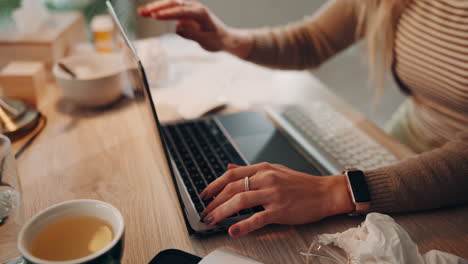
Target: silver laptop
pixel 198 151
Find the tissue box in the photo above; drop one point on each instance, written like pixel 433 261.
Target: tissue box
pixel 52 42
pixel 25 80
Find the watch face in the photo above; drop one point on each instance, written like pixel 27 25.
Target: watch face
pixel 359 186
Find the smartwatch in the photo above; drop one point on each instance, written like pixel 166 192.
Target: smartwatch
pixel 358 190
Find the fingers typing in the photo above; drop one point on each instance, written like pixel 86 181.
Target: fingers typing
pixel 229 176
pixel 235 204
pixel 231 166
pixel 227 193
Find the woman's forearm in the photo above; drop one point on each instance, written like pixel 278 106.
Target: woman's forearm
pixel 340 198
pixel 307 43
pixel 239 42
pixel 431 180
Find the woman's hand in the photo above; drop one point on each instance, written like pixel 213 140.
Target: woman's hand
pixel 288 196
pixel 197 23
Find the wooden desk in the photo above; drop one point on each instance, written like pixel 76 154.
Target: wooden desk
pixel 111 155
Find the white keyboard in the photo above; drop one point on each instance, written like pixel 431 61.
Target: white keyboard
pixel 330 138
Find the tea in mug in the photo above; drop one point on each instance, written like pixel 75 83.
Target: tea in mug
pixel 72 238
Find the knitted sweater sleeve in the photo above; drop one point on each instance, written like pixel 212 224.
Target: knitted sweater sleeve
pixel 430 180
pixel 308 43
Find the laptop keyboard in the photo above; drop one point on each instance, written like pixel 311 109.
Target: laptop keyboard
pixel 201 153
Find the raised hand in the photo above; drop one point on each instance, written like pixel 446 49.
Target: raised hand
pixel 196 22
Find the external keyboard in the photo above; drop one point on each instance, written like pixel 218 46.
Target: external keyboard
pixel 330 138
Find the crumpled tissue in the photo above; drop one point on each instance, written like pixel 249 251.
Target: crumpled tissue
pixel 379 239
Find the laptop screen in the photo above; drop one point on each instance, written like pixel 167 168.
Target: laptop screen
pixel 139 93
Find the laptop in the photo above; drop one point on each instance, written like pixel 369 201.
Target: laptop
pixel 198 151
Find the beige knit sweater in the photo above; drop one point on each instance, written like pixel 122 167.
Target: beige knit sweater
pixel 431 60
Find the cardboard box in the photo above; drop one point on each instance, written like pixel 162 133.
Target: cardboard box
pixel 25 80
pixel 52 42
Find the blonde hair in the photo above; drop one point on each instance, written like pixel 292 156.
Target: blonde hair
pixel 377 20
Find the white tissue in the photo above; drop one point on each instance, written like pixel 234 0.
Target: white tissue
pixel 30 17
pixel 379 239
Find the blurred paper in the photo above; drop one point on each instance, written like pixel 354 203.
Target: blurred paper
pixel 226 257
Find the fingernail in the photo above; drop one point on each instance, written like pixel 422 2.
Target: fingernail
pixel 235 231
pixel 208 220
pixel 203 214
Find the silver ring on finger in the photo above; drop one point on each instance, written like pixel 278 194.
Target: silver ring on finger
pixel 246 184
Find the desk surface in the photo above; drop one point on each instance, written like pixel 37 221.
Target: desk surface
pixel 109 155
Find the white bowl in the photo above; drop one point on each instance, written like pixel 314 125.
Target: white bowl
pixel 99 79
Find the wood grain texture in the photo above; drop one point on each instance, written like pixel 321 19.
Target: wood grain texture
pixel 112 155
